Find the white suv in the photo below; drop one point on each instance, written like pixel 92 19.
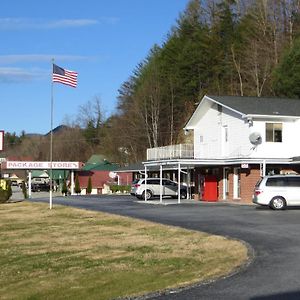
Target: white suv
pixel 277 191
pixel 169 188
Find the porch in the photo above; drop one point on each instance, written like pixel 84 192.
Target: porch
pixel 180 151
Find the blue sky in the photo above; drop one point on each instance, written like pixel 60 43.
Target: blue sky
pixel 103 40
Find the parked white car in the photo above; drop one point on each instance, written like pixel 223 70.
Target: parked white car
pixel 169 188
pixel 277 191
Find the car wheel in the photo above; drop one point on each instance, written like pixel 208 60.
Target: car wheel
pixel 148 195
pixel 182 194
pixel 278 203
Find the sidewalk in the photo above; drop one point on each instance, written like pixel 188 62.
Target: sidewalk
pixel 191 201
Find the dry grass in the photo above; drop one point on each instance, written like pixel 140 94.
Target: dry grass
pixel 68 253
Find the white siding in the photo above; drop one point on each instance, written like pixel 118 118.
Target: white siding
pixel 290 145
pixel 207 135
pixel 210 128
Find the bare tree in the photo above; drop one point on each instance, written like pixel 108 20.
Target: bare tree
pixel 90 112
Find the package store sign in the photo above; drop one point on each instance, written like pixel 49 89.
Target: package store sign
pixel 1 140
pixel 43 165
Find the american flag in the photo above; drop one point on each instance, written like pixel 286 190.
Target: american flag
pixel 64 76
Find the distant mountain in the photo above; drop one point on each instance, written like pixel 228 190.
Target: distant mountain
pixel 58 129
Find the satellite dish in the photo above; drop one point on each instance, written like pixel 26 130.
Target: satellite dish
pixel 255 138
pixel 112 174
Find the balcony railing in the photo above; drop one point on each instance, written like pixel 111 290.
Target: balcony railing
pixel 171 152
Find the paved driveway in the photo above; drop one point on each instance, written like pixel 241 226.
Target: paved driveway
pixel 274 236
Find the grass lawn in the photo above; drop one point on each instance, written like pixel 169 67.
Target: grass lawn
pixel 67 253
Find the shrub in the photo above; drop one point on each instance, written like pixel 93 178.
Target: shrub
pixel 120 188
pixel 89 186
pixel 24 190
pixel 114 188
pixel 4 196
pixel 9 190
pixel 77 185
pixel 127 188
pixel 64 189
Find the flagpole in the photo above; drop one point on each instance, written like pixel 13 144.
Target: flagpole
pixel 51 140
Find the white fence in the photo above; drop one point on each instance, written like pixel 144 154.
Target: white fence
pixel 171 152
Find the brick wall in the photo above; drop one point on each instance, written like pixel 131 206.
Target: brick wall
pixel 248 181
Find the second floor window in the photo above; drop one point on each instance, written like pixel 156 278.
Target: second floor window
pixel 274 132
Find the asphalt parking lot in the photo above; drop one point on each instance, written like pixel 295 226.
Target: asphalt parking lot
pixel 272 235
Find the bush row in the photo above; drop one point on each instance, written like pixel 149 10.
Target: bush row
pixel 120 188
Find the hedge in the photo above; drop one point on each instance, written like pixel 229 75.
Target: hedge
pixel 120 188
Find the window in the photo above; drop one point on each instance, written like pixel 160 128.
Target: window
pixel 277 181
pixel 153 181
pixel 168 182
pixel 294 181
pixel 274 132
pixel 284 181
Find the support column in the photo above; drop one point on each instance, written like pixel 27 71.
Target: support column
pixel 72 182
pixel 188 188
pixel 160 183
pixel 145 183
pixel 263 168
pixel 179 182
pixel 29 184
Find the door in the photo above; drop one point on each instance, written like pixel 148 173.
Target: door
pixel 210 192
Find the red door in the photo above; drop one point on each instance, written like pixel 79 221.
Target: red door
pixel 210 192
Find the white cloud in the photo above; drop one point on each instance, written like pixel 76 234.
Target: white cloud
pixel 23 23
pixel 15 75
pixel 70 23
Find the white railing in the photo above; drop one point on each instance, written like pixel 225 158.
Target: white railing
pixel 171 152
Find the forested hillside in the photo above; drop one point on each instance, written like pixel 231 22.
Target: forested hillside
pixel 242 47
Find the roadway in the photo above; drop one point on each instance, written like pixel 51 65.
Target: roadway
pixel 273 236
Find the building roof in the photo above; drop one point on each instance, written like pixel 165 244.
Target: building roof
pixel 39 173
pixel 56 174
pixel 248 107
pixel 99 163
pixel 260 105
pixel 106 166
pixel 132 168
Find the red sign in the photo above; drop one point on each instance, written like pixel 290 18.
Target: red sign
pixel 43 165
pixel 1 140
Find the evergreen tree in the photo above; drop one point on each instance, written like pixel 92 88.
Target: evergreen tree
pixel 64 189
pixel 89 186
pixel 287 74
pixel 24 190
pixel 77 185
pixel 9 189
